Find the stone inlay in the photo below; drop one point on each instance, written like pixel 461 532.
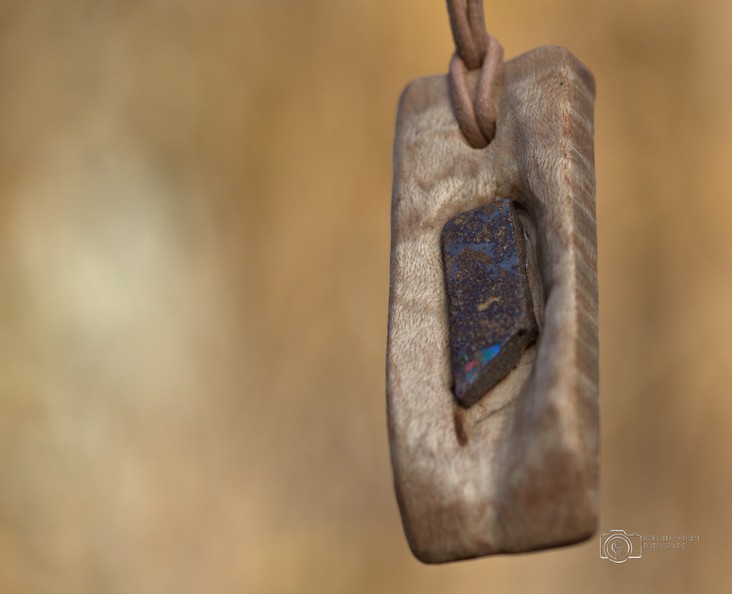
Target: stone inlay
pixel 490 311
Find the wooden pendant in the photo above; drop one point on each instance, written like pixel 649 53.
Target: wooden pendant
pixel 517 470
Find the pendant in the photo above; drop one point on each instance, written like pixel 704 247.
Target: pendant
pixel 492 356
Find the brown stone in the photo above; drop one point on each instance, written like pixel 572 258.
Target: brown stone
pixel 491 318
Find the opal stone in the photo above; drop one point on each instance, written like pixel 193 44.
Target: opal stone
pixel 489 302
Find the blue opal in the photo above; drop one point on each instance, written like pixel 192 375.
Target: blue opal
pixel 490 309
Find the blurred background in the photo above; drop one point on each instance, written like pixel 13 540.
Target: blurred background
pixel 194 252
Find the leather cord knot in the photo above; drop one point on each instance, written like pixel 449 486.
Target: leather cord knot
pixel 475 49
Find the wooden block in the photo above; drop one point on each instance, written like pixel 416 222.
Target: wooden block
pixel 517 471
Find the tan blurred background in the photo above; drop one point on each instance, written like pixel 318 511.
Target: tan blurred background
pixel 194 250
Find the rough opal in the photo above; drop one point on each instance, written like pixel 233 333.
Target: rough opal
pixel 490 311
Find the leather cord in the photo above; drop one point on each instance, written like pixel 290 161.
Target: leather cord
pixel 475 49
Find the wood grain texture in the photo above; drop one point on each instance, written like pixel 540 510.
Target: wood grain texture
pixel 518 471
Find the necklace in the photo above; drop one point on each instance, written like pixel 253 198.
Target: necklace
pixel 492 358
